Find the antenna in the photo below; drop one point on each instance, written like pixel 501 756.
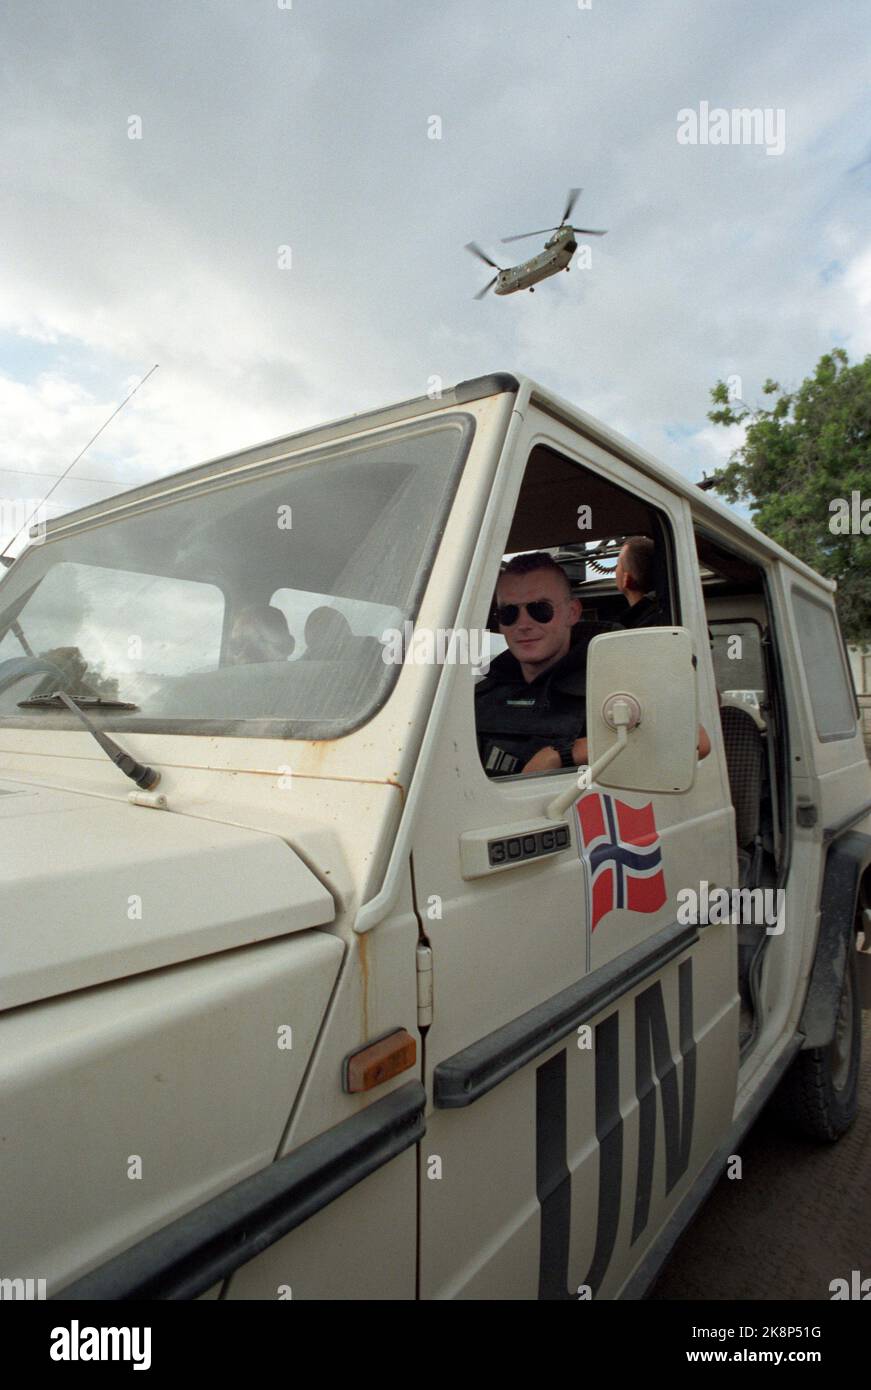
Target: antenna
pixel 60 478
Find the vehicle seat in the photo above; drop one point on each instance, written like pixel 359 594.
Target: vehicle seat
pixel 588 628
pixel 259 633
pixel 328 635
pixel 745 759
pixel 735 701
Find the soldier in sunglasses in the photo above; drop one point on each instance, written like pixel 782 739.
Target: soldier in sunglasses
pixel 530 709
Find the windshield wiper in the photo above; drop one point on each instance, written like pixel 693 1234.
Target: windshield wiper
pixel 83 702
pixel 143 776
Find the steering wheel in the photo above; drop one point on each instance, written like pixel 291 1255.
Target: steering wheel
pixel 17 666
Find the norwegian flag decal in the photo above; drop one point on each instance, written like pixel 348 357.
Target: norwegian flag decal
pixel 622 848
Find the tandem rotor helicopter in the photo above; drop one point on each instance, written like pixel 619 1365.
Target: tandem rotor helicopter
pixel 558 251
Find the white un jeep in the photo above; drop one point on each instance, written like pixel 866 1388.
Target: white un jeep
pixel 313 1007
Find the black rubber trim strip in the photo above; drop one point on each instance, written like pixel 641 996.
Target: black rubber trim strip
pixel 478 386
pixel 833 831
pixel 641 1282
pixel 205 1245
pixel 464 1078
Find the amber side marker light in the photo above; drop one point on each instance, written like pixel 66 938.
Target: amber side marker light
pixel 379 1061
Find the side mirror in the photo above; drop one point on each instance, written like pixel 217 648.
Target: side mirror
pixel 652 669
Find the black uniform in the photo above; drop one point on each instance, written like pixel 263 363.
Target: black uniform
pixel 516 718
pixel 645 613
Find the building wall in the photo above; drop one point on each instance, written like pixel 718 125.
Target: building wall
pixel 860 664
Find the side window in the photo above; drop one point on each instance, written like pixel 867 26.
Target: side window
pixel 583 556
pixel 79 617
pixel 739 662
pixel 825 668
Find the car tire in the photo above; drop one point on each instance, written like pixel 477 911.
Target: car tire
pixel 819 1096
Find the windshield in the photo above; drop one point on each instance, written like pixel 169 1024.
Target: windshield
pixel 252 605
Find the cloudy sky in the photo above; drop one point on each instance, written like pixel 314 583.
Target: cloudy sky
pixel 307 124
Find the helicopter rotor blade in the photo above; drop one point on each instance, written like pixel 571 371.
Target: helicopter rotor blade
pixel 523 235
pixel 574 195
pixel 481 293
pixel 588 231
pixel 482 256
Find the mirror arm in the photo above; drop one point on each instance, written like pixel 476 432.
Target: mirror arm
pixel 561 803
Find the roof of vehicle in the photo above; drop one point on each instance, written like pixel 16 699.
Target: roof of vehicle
pixel 723 519
pixel 705 508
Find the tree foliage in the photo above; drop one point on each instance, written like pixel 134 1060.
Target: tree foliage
pixel 84 679
pixel 801 453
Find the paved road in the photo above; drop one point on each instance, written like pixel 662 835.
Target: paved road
pixel 799 1217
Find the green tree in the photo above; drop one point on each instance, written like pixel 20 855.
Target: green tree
pixel 84 679
pixel 800 453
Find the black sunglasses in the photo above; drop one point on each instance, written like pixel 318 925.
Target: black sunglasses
pixel 541 610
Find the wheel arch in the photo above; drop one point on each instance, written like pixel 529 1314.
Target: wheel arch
pixel 847 871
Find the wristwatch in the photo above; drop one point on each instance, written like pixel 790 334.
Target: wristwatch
pixel 565 752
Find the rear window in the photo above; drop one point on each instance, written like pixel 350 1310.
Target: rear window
pixel 825 668
pixel 739 663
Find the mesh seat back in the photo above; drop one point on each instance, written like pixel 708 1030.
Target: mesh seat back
pixel 745 760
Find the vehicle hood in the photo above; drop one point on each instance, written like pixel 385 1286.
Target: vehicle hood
pixel 94 889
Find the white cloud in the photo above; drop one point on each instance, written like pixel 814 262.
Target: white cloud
pixel 857 283
pixel 308 128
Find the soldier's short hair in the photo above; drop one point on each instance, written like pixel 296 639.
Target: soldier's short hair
pixel 531 563
pixel 639 561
